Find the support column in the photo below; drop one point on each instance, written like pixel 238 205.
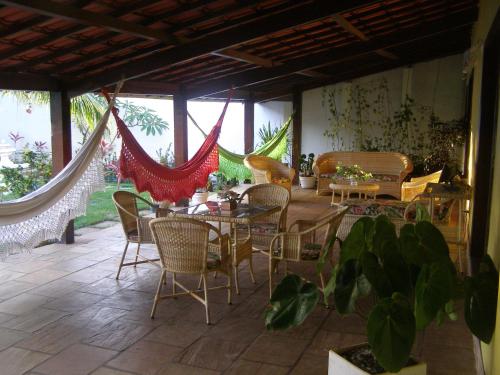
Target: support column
pixel 249 126
pixel 180 136
pixel 180 130
pixel 296 132
pixel 60 119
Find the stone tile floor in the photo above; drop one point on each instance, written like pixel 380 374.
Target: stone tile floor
pixel 63 312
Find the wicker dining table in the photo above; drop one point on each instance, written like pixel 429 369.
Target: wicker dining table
pixel 243 214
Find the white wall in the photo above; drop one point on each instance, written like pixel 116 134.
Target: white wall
pixel 436 84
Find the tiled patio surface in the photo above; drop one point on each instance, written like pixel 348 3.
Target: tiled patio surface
pixel 63 312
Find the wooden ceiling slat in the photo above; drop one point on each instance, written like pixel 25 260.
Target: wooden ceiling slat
pixel 51 38
pixel 424 31
pixel 75 14
pixel 287 19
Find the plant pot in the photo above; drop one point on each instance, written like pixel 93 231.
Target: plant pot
pixel 307 182
pixel 337 364
pixel 199 198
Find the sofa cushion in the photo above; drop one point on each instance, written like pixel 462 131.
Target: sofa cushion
pixel 374 207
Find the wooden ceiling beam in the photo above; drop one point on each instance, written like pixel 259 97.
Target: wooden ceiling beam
pixel 424 32
pixel 246 57
pixel 349 27
pixel 67 12
pixel 32 82
pixel 250 31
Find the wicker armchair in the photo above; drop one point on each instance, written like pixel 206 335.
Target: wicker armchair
pixel 266 170
pixel 184 248
pixel 263 231
pixel 410 190
pixel 135 227
pixel 301 242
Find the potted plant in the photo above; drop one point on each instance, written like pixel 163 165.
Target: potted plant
pixel 201 194
pixel 306 177
pixel 412 281
pixel 352 173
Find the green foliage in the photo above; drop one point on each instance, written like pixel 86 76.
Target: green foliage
pixel 412 280
pixel 352 172
pixel 34 174
pixel 166 157
pixel 391 332
pixel 361 117
pixel 292 301
pixel 481 292
pixel 266 133
pixel 143 117
pixel 305 165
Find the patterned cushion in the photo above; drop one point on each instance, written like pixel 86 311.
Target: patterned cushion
pixel 213 261
pixel 385 177
pixel 392 208
pixel 311 251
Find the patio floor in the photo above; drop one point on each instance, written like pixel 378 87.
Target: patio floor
pixel 63 312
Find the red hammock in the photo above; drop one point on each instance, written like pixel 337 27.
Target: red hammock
pixel 163 183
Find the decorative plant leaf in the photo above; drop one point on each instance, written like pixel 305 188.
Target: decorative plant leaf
pixel 359 239
pixel 433 239
pixel 291 302
pixel 411 248
pixel 326 252
pixel 350 284
pixel 432 292
pixel 385 230
pixel 391 332
pixel 330 285
pixel 375 274
pixel 421 213
pixel 481 294
pixel 395 267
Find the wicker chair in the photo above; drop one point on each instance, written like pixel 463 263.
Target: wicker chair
pixel 300 243
pixel 263 231
pixel 135 227
pixel 266 170
pixel 185 248
pixel 411 189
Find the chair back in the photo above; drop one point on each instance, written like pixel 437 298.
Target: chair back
pixel 326 227
pixel 126 205
pixel 260 165
pixel 182 243
pixel 270 195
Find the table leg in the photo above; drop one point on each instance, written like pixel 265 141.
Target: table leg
pixel 333 197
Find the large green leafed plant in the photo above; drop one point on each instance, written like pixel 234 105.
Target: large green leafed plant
pixel 411 278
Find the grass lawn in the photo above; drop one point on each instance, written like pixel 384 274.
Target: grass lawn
pixel 101 206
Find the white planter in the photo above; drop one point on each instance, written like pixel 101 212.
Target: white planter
pixel 199 198
pixel 307 182
pixel 339 365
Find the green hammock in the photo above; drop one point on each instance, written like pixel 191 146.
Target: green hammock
pixel 231 164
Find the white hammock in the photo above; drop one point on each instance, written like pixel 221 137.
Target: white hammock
pixel 45 213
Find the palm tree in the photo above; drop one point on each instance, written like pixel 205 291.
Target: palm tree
pixel 87 110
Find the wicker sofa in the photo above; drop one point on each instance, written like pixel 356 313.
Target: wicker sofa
pixel 388 168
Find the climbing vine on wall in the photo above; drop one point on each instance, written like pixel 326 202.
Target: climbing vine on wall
pixel 361 118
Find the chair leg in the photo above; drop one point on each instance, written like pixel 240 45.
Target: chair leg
pixel 137 253
pixel 229 276
pixel 250 264
pixel 173 284
pixel 271 270
pixel 158 291
pixel 322 282
pixel 199 282
pixel 236 281
pixel 121 261
pixel 285 267
pixel 207 314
